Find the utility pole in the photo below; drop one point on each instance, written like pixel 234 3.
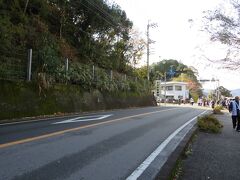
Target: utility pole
pixel 165 82
pixel 152 25
pixel 216 86
pixel 148 51
pixel 218 91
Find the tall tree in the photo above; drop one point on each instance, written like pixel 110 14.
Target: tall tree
pixel 223 91
pixel 88 31
pixel 177 71
pixel 172 68
pixel 136 47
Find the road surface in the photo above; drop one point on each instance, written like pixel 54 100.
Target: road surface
pixel 105 145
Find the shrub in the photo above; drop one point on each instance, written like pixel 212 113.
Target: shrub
pixel 209 123
pixel 217 110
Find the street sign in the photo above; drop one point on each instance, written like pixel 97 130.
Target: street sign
pixel 171 72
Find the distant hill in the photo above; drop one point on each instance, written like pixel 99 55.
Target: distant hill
pixel 235 92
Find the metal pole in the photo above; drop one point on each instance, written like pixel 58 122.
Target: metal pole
pixel 218 91
pixel 165 89
pixel 148 51
pixel 93 73
pixel 160 90
pixel 29 70
pixel 66 65
pixel 111 75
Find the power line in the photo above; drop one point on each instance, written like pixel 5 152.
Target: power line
pixel 114 26
pixel 104 12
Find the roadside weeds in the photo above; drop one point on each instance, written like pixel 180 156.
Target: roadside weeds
pixel 178 168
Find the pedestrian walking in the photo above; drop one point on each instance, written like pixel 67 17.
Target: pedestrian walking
pixel 234 109
pixel 213 104
pixel 179 101
pixel 192 101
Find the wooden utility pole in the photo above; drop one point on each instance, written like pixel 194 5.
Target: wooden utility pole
pixel 152 25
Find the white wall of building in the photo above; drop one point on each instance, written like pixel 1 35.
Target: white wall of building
pixel 174 90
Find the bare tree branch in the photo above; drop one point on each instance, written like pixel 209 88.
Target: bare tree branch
pixel 225 29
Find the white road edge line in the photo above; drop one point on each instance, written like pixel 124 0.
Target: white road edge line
pixel 143 166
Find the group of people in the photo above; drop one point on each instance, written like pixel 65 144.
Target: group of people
pixel 232 105
pixel 234 109
pixel 203 102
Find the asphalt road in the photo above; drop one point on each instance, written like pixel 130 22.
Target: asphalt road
pixel 105 145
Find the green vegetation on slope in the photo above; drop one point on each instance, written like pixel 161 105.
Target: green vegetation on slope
pixel 84 31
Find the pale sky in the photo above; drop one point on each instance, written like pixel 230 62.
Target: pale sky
pixel 177 38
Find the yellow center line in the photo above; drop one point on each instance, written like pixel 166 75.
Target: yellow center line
pixel 74 129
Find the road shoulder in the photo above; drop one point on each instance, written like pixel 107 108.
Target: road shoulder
pixel 161 166
pixel 170 164
pixel 214 156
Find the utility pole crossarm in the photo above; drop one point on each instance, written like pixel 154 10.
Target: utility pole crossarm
pixel 204 80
